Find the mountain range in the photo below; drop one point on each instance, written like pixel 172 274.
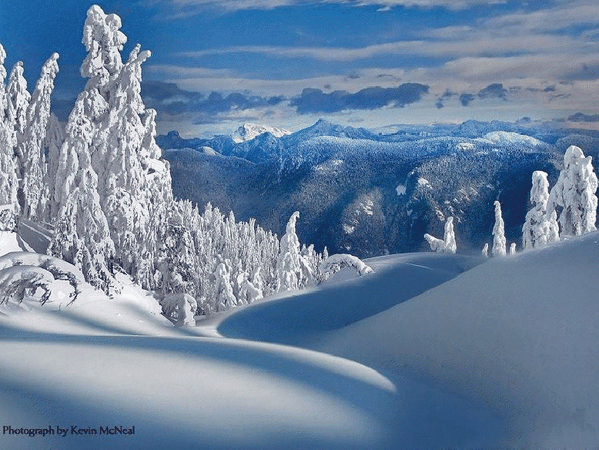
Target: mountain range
pixel 369 193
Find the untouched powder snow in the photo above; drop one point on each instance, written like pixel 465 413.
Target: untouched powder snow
pixel 519 334
pixel 430 351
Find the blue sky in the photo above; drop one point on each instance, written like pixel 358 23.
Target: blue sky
pixel 217 64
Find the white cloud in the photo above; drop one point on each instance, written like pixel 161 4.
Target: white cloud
pixel 206 80
pixel 234 5
pixel 474 45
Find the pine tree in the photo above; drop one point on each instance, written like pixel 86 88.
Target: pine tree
pixel 18 99
pixel 573 196
pixel 55 137
pixel 82 236
pixel 289 271
pixel 33 165
pixel 451 245
pixel 540 227
pixel 224 291
pixel 8 171
pixel 499 241
pixel 448 243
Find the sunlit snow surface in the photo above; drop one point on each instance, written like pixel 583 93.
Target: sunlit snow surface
pixel 431 351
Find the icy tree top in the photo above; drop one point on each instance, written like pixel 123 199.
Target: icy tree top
pixel 539 194
pixel 103 42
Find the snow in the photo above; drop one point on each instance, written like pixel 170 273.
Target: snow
pixel 509 137
pixel 465 146
pixel 400 190
pixel 430 351
pixel 423 182
pixel 249 131
pixel 9 243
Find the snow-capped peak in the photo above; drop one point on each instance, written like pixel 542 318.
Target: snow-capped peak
pixel 249 131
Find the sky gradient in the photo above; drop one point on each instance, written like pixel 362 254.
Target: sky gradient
pixel 286 63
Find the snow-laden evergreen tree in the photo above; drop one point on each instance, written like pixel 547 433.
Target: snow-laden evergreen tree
pixel 499 241
pixel 82 236
pixel 129 171
pixel 448 243
pixel 224 291
pixel 540 227
pixel 177 253
pixel 17 99
pixel 55 137
pixel 8 170
pixel 250 292
pixel 573 195
pixel 289 262
pixel 513 248
pixel 116 135
pixel 31 149
pixel 485 250
pixel 451 245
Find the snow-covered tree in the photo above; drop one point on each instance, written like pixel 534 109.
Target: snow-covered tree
pixel 30 147
pixel 225 299
pixel 17 103
pixel 289 267
pixel 448 243
pixel 82 236
pixel 17 100
pixel 513 248
pixel 573 195
pixel 449 237
pixel 499 241
pixel 8 170
pixel 248 293
pixel 540 227
pixel 485 250
pixel 55 137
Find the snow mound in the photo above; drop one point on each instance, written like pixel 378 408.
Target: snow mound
pixel 249 131
pixel 9 242
pixel 518 333
pixel 295 318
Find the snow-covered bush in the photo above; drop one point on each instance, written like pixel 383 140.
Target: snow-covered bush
pixel 448 243
pixel 335 263
pixel 179 308
pixel 573 195
pixel 24 274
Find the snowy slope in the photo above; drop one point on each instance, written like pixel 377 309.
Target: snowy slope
pixel 114 362
pixel 431 351
pixel 518 333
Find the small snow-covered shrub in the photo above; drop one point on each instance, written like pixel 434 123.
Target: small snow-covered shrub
pixel 24 274
pixel 179 309
pixel 335 263
pixel 8 219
